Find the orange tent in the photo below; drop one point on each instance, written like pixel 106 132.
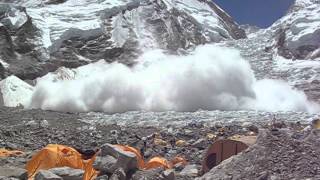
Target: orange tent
pixel 9 153
pixel 54 155
pixel 158 162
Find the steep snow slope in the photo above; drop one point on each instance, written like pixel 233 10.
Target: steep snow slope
pixel 75 32
pixel 298 32
pixel 289 49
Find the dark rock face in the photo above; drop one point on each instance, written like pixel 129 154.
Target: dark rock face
pixel 55 1
pixel 235 30
pixel 7 49
pixel 126 29
pixel 307 51
pixel 1 99
pixel 17 47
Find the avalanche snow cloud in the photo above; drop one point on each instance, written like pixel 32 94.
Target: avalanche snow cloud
pixel 210 78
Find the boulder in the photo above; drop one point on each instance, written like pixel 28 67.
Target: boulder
pixel 153 174
pixel 47 175
pixel 68 173
pixel 125 160
pixel 190 171
pixel 44 123
pixel 13 172
pixel 168 175
pixel 119 174
pixel 105 164
pixel 200 143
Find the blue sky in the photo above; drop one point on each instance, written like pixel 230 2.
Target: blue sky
pixel 261 13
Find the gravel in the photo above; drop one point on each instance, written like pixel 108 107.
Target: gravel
pixel 31 130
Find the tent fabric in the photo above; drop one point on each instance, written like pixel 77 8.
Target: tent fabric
pixel 157 162
pixel 220 151
pixel 54 155
pixel 10 153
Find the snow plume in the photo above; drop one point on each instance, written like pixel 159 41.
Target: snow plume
pixel 210 78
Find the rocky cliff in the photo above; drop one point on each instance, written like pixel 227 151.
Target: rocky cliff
pixel 39 36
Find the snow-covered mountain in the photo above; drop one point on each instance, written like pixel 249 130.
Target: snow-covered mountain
pixel 40 36
pixel 297 34
pixel 288 49
pixel 58 35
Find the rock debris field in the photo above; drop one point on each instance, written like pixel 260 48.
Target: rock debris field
pixel 286 148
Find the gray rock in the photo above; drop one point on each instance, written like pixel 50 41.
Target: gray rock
pixel 47 175
pixel 14 172
pixel 153 174
pixel 119 174
pixel 11 145
pixel 264 175
pixel 190 170
pixel 179 167
pixel 168 175
pixel 253 128
pixel 200 143
pixel 246 124
pixel 6 178
pixel 32 123
pixel 105 164
pixel 68 173
pixel 104 177
pixel 125 160
pixel 44 123
pixel 250 126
